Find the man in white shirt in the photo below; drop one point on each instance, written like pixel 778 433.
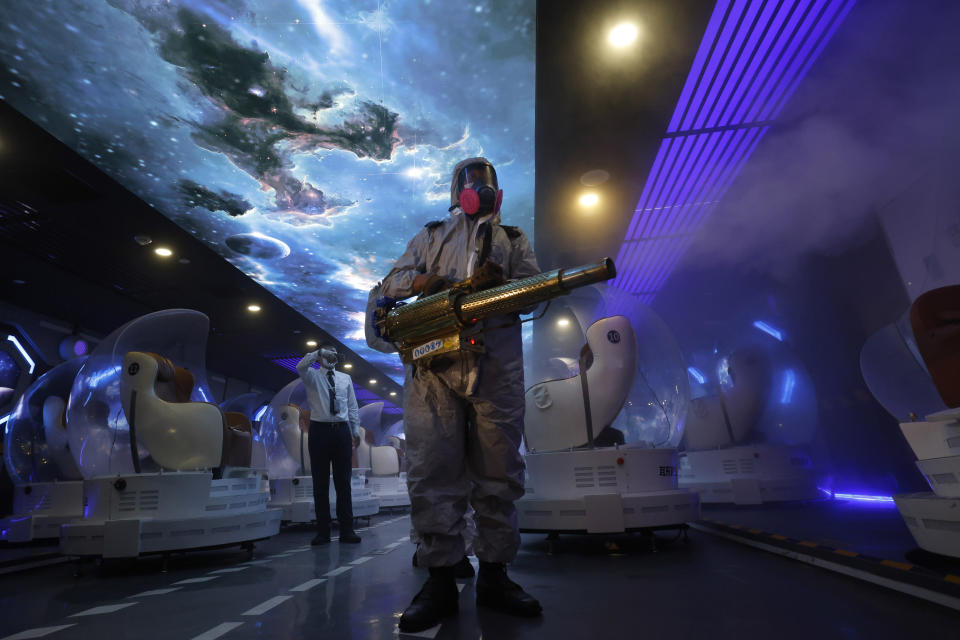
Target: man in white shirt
pixel 334 428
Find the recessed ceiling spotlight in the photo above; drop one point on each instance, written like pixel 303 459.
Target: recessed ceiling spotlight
pixel 253 308
pixel 563 322
pixel 163 252
pixel 594 178
pixel 393 393
pixel 311 343
pixel 347 365
pixel 589 199
pixel 184 260
pixel 373 381
pixel 623 35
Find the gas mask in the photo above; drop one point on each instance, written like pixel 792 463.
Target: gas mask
pixel 328 358
pixel 479 193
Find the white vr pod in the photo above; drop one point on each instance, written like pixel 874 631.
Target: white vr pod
pixel 284 429
pixel 933 517
pixel 581 477
pixel 744 444
pixel 48 487
pixel 164 469
pixel 923 381
pixel 385 479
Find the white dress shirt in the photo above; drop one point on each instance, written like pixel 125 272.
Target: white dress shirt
pixel 318 394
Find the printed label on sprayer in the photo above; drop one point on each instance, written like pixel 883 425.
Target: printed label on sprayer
pixel 428 348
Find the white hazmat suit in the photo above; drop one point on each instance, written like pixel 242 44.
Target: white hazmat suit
pixel 463 412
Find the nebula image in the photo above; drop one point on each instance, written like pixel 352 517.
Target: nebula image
pixel 306 142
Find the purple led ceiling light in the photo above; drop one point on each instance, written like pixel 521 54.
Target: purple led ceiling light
pixel 750 61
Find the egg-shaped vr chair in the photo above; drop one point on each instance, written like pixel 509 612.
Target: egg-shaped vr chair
pixel 933 335
pixel 48 487
pixel 385 478
pixel 747 439
pixel 605 406
pixel 164 468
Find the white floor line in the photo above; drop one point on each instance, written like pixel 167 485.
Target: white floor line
pixel 309 584
pixel 229 570
pixel 336 572
pixel 427 633
pixel 361 560
pixel 107 608
pixel 919 592
pixel 266 605
pixel 258 562
pixel 280 555
pixel 392 545
pixel 39 632
pixel 155 592
pixel 217 631
pixel 196 580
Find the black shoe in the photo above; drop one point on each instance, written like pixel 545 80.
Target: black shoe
pixel 320 538
pixel 438 599
pixel 496 591
pixel 415 562
pixel 350 537
pixel 464 569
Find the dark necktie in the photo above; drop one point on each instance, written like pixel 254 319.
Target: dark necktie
pixel 333 394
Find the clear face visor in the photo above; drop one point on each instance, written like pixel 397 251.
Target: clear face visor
pixel 476 175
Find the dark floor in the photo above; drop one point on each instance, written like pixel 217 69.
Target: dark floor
pixel 871 528
pixel 705 588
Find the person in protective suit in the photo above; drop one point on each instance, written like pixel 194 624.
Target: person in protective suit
pixel 463 412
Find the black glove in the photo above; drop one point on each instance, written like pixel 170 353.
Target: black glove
pixel 489 274
pixel 435 284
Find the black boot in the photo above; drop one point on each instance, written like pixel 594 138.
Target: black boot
pixel 464 569
pixel 496 591
pixel 322 537
pixel 349 537
pixel 437 599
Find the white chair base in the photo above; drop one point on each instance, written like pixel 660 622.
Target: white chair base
pixel 604 491
pixel 40 508
pixel 749 474
pixel 934 522
pixel 294 496
pixel 391 491
pixel 170 511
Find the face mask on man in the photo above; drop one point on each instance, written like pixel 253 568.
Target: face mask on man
pixel 479 193
pixel 328 358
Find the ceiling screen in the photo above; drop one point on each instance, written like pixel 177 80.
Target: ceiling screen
pixel 304 141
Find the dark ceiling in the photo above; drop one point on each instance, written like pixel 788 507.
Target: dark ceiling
pixel 67 230
pixel 598 108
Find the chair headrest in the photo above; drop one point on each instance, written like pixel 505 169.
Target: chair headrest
pixel 180 379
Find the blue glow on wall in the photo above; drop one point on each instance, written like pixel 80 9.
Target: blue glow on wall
pixel 769 330
pixel 696 374
pixel 23 352
pixel 789 382
pixel 752 57
pixel 305 142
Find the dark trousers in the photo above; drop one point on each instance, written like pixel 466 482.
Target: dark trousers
pixel 331 443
